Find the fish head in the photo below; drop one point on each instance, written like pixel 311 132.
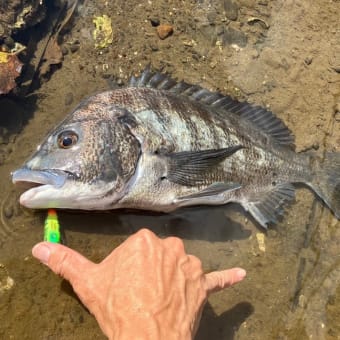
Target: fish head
pixel 85 163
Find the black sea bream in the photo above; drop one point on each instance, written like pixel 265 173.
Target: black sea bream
pixel 160 145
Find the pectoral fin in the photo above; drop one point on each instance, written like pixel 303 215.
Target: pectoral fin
pixel 190 167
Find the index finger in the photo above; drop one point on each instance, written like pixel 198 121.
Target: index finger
pixel 218 280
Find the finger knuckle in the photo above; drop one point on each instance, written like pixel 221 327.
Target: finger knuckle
pixel 62 263
pixel 176 244
pixel 144 238
pixel 196 263
pixel 144 235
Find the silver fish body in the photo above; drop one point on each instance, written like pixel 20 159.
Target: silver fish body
pixel 160 145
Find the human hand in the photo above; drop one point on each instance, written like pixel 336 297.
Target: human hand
pixel 147 288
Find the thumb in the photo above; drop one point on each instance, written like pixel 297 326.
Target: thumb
pixel 63 261
pixel 216 281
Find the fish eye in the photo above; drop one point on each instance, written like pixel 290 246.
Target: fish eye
pixel 67 139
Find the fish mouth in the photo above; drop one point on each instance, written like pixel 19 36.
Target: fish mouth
pixel 35 178
pixel 38 181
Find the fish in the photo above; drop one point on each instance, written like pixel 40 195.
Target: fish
pixel 159 144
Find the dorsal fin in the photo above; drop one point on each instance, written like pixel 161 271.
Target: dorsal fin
pixel 260 117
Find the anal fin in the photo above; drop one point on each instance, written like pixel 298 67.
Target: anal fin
pixel 267 206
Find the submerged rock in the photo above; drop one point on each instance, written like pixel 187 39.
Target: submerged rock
pixel 20 14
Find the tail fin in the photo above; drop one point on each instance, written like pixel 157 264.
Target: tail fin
pixel 327 181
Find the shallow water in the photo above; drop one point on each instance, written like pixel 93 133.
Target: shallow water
pixel 292 288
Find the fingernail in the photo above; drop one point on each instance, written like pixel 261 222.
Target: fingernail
pixel 241 274
pixel 41 252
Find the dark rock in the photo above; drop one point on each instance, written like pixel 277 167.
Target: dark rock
pixel 209 33
pixel 64 50
pixel 106 75
pixel 231 9
pixel 74 48
pixel 212 17
pixel 2 31
pixel 219 30
pixel 233 36
pixel 9 42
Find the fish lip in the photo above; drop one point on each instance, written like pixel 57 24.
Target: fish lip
pixel 54 177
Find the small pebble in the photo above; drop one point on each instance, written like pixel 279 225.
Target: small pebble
pixel 8 211
pixel 261 241
pixel 219 30
pixel 154 47
pixel 74 48
pixel 302 301
pixel 316 146
pixel 308 60
pixel 64 50
pixel 2 30
pixel 68 98
pixel 337 111
pixel 154 22
pixel 164 31
pixel 337 116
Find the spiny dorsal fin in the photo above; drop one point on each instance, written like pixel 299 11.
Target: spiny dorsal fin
pixel 260 117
